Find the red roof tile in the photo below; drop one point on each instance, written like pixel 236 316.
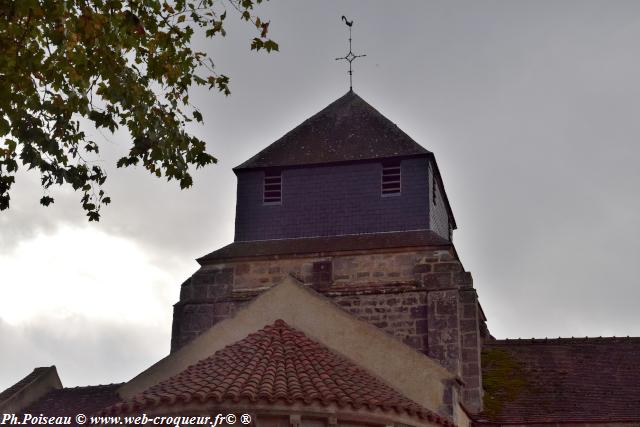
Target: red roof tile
pixel 562 380
pixel 277 364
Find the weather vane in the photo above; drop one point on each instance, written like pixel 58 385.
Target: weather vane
pixel 349 57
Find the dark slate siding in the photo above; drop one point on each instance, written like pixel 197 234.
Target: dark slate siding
pixel 332 200
pixel 438 214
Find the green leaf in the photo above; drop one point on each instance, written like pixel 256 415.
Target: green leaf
pixel 270 45
pixel 71 67
pixel 46 200
pixel 5 127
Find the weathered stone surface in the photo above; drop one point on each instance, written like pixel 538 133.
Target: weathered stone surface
pixel 422 268
pixel 199 291
pixel 436 280
pixel 463 278
pixel 443 328
pixel 470 340
pixel 215 291
pixel 418 312
pixel 446 256
pixel 447 266
pixel 422 327
pixel 434 309
pixel 224 276
pixel 468 296
pixel 470 370
pixel 186 290
pixel 241 269
pixel 469 311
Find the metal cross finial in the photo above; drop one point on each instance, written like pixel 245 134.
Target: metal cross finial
pixel 349 57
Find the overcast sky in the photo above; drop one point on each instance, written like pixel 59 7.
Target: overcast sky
pixel 532 109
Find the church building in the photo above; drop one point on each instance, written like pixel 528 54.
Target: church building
pixel 342 302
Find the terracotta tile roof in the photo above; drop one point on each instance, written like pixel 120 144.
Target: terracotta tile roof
pixel 75 400
pixel 351 242
pixel 562 380
pixel 277 364
pixel 349 129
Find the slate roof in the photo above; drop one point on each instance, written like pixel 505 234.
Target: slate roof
pixel 349 129
pixel 319 245
pixel 562 380
pixel 75 400
pixel 277 364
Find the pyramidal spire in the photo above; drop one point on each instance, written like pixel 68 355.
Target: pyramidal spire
pixel 348 129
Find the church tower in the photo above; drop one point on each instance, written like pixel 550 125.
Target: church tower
pixel 347 170
pixel 349 205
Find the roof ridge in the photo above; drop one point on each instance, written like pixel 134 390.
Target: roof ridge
pixel 589 339
pixel 77 387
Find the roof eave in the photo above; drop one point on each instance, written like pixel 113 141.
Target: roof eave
pixel 241 168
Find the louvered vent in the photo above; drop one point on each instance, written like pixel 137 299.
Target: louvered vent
pixel 272 187
pixel 391 179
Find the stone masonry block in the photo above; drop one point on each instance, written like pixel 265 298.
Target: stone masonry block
pixel 470 339
pixel 419 312
pixel 199 291
pixel 468 325
pixel 422 326
pixel 436 280
pixel 412 300
pixel 447 266
pixel 224 276
pixel 203 277
pixel 470 369
pixel 447 256
pixel 463 278
pixel 469 311
pixel 427 259
pixel 241 269
pixel 469 354
pixel 404 260
pixel 422 268
pixel 446 307
pixel 472 382
pixel 218 290
pixel 468 296
pixel 186 291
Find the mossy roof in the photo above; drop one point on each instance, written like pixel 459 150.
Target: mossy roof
pixel 584 380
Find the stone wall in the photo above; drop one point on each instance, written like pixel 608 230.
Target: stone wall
pixel 401 314
pixel 423 297
pixel 471 344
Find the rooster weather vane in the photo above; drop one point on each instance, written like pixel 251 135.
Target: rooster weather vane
pixel 349 57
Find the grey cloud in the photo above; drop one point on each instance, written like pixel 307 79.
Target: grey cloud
pixel 84 352
pixel 530 107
